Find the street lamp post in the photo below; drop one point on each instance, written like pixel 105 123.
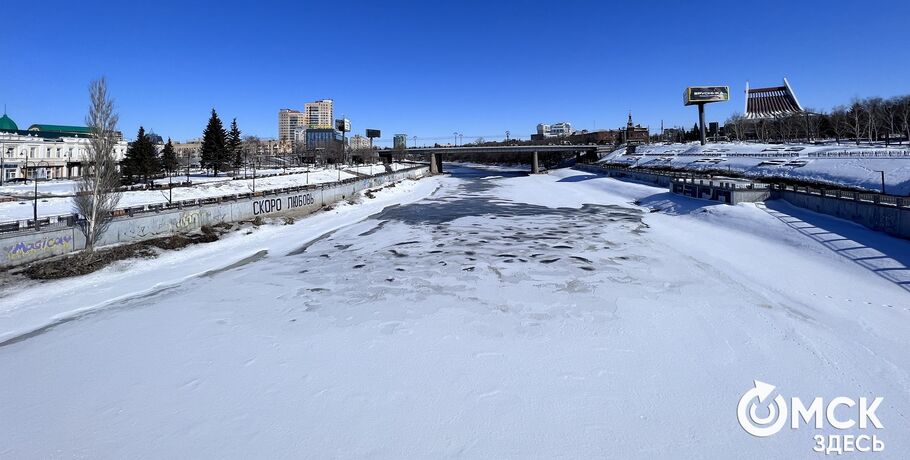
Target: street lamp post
pixel 2 166
pixel 883 179
pixel 35 179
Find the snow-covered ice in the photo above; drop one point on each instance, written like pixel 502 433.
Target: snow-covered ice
pixel 484 315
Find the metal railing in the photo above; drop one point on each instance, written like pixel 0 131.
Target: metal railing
pixel 687 177
pixel 861 154
pixel 865 197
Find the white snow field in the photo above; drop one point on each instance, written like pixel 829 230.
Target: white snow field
pixel 203 187
pixel 836 165
pixel 486 314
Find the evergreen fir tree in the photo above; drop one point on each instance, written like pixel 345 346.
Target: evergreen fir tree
pixel 141 159
pixel 169 157
pixel 214 154
pixel 234 145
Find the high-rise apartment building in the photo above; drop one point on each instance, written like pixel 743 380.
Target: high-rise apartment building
pixel 400 142
pixel 288 121
pixel 319 114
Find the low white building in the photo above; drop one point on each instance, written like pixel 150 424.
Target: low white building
pixel 45 151
pixel 358 142
pixel 554 130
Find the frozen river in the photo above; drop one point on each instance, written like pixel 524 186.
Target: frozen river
pixel 488 314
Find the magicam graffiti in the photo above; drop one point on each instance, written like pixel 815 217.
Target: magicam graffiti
pixel 44 246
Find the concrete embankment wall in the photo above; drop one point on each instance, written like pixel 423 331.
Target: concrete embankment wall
pixel 893 220
pixel 636 176
pixel 28 245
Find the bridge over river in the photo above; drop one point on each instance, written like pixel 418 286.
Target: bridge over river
pixel 437 154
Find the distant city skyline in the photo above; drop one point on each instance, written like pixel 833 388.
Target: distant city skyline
pixel 480 69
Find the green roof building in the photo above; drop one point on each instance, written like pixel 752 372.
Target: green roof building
pixel 76 131
pixel 7 124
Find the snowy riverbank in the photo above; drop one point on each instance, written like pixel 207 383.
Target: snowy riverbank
pixel 487 315
pixel 838 165
pixel 203 187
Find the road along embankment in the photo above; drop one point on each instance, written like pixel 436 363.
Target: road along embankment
pixel 137 224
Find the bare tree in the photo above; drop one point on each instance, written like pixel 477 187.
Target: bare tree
pixel 251 148
pixel 857 118
pixel 813 120
pixel 96 190
pixel 790 126
pixel 840 122
pixel 872 109
pixel 890 109
pixel 903 114
pixel 737 123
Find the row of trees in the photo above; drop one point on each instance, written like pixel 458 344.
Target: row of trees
pixel 142 162
pixel 221 149
pixel 871 119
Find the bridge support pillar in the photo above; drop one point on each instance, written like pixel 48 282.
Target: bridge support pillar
pixel 435 163
pixel 535 166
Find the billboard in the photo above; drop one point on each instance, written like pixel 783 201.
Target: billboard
pixel 373 133
pixel 343 125
pixel 705 94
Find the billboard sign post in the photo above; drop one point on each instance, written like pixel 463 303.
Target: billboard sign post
pixel 701 95
pixel 344 125
pixel 371 134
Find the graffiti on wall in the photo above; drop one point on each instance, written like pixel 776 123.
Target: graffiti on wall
pixel 43 247
pixel 269 205
pixel 188 221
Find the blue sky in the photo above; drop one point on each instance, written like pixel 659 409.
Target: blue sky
pixel 432 68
